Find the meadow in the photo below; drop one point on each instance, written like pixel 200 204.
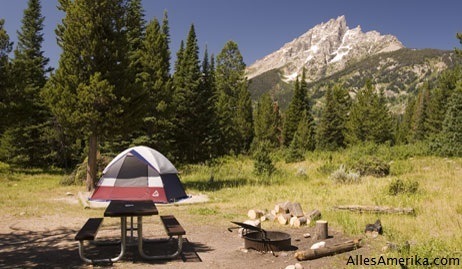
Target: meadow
pixel 435 230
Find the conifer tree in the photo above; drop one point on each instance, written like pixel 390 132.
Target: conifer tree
pixel 28 74
pixel 95 47
pixel 267 121
pixel 189 107
pixel 244 119
pixel 208 116
pixel 331 128
pixel 156 81
pixel 418 126
pixel 369 119
pixel 233 107
pixel 306 132
pixel 298 104
pixel 136 27
pixel 438 101
pixel 451 135
pixel 166 32
pixel 303 139
pixel 5 49
pixel 404 135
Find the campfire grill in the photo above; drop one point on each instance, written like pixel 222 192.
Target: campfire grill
pixel 264 241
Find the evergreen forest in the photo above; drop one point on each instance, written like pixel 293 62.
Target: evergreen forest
pixel 115 87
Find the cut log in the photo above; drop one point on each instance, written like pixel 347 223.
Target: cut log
pixel 255 213
pixel 321 230
pixel 282 208
pixel 314 215
pixel 269 217
pixel 292 221
pixel 312 254
pixel 376 209
pixel 283 219
pixel 300 222
pixel 296 210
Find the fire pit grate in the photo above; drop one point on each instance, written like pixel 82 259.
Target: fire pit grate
pixel 264 241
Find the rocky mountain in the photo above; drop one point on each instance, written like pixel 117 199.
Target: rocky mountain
pixel 324 50
pixel 333 53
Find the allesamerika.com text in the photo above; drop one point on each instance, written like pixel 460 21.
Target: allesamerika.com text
pixel 415 260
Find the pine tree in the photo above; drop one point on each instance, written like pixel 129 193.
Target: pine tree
pixel 369 119
pixel 267 121
pixel 298 104
pixel 331 128
pixel 5 50
pixel 244 119
pixel 419 126
pixel 156 81
pixel 451 135
pixel 29 114
pixel 95 47
pixel 404 135
pixel 263 165
pixel 208 114
pixel 233 104
pixel 303 139
pixel 306 132
pixel 438 100
pixel 189 134
pixel 136 27
pixel 449 140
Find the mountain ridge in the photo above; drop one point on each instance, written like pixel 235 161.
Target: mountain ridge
pixel 381 59
pixel 323 50
pixel 398 73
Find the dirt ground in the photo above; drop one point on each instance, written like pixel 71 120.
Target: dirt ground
pixel 48 242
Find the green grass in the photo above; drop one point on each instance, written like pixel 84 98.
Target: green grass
pixel 434 231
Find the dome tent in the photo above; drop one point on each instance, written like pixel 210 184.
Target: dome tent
pixel 139 173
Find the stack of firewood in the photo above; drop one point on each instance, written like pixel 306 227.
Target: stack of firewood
pixel 286 213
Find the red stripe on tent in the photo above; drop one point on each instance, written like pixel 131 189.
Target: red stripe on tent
pixel 157 194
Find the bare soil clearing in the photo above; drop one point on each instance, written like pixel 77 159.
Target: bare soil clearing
pixel 48 242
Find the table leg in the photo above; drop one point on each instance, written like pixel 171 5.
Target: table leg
pixel 123 229
pixel 123 241
pixel 156 257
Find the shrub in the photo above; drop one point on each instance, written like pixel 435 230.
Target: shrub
pixel 343 176
pixel 263 164
pixel 4 168
pixel 372 166
pixel 327 168
pixel 398 186
pixel 294 155
pixel 79 174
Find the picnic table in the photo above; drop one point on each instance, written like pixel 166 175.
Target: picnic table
pixel 123 210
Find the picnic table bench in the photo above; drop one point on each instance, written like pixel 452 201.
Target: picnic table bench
pixel 88 233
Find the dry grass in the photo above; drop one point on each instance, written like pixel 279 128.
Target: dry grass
pixel 435 230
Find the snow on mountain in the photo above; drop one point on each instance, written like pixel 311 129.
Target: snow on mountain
pixel 323 50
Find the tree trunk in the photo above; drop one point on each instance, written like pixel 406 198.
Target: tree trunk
pixel 376 209
pixel 91 163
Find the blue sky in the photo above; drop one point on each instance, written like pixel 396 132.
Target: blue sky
pixel 260 26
